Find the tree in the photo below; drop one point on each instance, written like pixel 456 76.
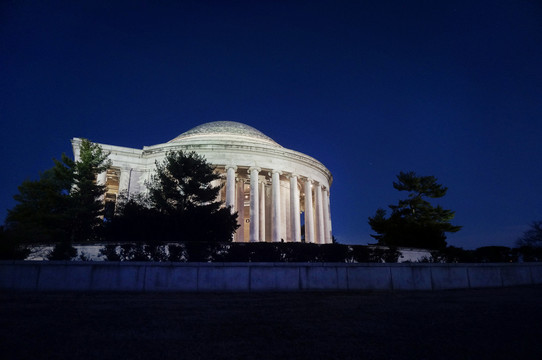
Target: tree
pixel 182 189
pixel 530 243
pixel 532 237
pixel 64 205
pixel 414 222
pixel 183 182
pixel 180 206
pixel 86 203
pixel 40 215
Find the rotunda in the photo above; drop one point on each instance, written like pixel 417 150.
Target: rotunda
pixel 274 190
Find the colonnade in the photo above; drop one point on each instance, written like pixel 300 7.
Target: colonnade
pixel 287 202
pixel 269 202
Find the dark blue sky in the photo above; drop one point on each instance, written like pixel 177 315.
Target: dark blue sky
pixel 445 88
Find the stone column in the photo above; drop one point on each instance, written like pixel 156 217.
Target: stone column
pixel 254 205
pixel 101 178
pixel 327 218
pixel 124 180
pixel 276 229
pixel 262 210
pixel 285 228
pixel 230 186
pixel 241 210
pixel 330 228
pixel 309 217
pixel 135 181
pixel 319 215
pixel 294 212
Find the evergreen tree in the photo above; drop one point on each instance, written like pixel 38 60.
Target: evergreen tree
pixel 414 222
pixel 183 182
pixel 182 189
pixel 180 205
pixel 40 215
pixel 86 203
pixel 64 205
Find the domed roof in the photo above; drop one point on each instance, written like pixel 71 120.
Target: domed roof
pixel 226 130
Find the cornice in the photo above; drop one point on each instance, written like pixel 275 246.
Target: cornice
pixel 219 146
pixel 264 150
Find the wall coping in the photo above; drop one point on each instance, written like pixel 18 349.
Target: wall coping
pixel 260 264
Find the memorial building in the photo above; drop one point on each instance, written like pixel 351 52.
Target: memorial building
pixel 273 189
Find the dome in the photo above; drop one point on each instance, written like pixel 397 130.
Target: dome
pixel 226 130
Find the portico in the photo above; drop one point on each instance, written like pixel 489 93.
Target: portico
pixel 264 193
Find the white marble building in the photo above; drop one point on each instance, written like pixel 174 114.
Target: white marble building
pixel 272 188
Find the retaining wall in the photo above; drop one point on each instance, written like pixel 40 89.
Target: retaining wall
pixel 193 277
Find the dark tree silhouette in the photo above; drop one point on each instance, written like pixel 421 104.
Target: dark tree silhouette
pixel 530 243
pixel 40 215
pixel 532 237
pixel 63 205
pixel 86 204
pixel 180 206
pixel 414 222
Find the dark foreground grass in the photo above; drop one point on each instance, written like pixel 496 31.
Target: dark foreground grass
pixel 459 324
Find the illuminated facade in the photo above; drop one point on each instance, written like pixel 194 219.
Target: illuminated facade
pixel 273 189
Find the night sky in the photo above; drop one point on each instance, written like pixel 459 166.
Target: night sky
pixel 445 88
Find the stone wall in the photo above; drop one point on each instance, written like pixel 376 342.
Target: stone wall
pixel 147 276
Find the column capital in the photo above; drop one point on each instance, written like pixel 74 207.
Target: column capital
pixel 250 169
pixel 276 171
pixel 291 175
pixel 231 166
pixel 309 180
